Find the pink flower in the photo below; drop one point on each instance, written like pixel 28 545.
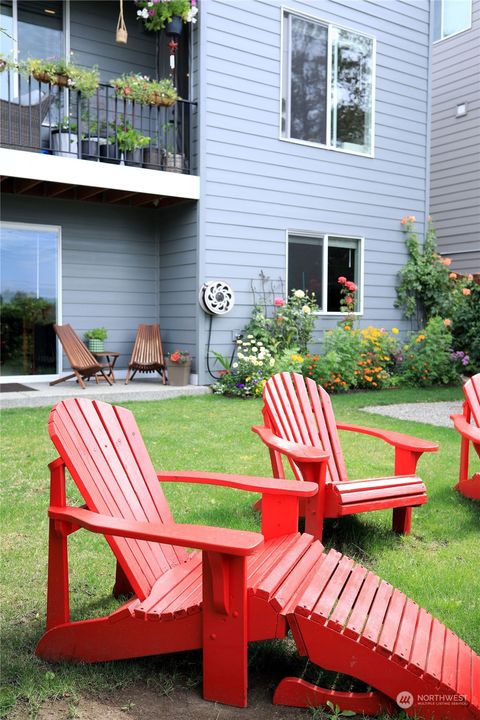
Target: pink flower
pixel 453 276
pixel 404 220
pixel 447 322
pixel 350 286
pixel 151 13
pixel 349 299
pixel 466 291
pixel 342 280
pixel 446 261
pixel 279 302
pixel 412 218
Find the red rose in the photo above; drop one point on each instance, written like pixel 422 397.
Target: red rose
pixel 350 286
pixel 175 357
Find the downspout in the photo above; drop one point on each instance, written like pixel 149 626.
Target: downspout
pixel 428 137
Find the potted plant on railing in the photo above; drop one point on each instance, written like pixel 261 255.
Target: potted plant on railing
pixel 178 366
pixel 131 143
pixel 141 89
pixel 157 15
pixel 62 73
pixel 96 339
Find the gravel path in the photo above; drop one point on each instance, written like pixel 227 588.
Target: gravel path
pixel 437 413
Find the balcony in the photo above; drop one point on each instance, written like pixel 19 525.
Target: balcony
pixel 133 145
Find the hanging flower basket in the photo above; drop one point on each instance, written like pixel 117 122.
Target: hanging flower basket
pixel 45 77
pixel 160 99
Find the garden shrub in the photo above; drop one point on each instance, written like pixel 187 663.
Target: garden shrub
pixel 378 350
pixel 247 376
pixel 336 369
pixel 427 357
pixel 289 326
pixel 465 320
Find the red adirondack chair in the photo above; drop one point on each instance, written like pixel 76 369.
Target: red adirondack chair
pixel 299 411
pixel 243 586
pixel 468 425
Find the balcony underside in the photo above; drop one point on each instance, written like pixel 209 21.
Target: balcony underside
pixel 35 174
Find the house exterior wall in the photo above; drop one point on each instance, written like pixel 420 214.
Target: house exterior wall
pixel 110 263
pixel 256 187
pixel 455 159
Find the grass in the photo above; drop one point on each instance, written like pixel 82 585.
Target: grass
pixel 437 565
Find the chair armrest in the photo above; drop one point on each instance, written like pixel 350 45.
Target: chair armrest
pixel 225 540
pixel 297 452
pixel 270 486
pixel 471 432
pixel 398 440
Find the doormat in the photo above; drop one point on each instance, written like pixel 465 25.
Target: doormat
pixel 14 387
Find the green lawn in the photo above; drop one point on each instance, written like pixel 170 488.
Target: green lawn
pixel 437 565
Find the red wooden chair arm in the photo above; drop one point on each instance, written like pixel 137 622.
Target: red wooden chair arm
pixel 468 431
pixel 297 452
pixel 398 440
pixel 251 484
pixel 224 540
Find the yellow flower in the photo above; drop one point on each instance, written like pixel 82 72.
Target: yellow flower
pixel 395 331
pixel 306 309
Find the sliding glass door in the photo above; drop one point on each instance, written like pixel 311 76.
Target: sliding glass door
pixel 29 299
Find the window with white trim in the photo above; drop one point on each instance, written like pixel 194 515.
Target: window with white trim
pixel 451 17
pixel 315 262
pixel 327 84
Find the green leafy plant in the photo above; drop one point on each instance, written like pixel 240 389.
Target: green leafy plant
pixel 336 713
pixel 128 138
pixel 247 376
pixel 423 287
pixel 336 369
pixel 61 72
pixel 99 333
pixel 290 324
pixel 427 357
pixel 157 15
pixel 465 319
pixel 140 88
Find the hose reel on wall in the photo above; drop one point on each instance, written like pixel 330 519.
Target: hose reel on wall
pixel 216 297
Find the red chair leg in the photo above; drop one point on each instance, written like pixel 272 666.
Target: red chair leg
pixel 402 520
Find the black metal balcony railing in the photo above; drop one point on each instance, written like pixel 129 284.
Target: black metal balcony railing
pixel 60 121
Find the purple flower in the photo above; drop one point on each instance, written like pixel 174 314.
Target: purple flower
pixel 151 13
pixel 465 360
pixel 240 386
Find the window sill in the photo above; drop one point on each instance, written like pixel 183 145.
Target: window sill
pixel 327 147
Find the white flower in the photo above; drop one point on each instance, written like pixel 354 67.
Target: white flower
pixel 150 4
pixel 249 337
pixel 272 362
pixel 254 349
pixel 299 294
pixel 241 356
pixel 306 309
pixel 234 365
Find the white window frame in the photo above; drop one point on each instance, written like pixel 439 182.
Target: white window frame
pixel 323 237
pixel 457 32
pixel 58 230
pixel 331 27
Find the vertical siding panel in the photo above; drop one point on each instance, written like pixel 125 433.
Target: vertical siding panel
pixel 455 159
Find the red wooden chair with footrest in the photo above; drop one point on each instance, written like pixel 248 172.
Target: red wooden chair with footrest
pixel 237 587
pixel 299 411
pixel 468 425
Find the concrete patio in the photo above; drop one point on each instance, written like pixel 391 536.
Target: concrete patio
pixel 44 395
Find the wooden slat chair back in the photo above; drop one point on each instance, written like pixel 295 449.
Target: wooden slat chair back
pixel 299 411
pixel 239 586
pixel 83 363
pixel 147 354
pixel 105 454
pixel 468 425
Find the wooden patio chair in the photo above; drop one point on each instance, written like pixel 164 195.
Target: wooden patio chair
pixel 243 586
pixel 468 425
pixel 83 363
pixel 147 354
pixel 299 411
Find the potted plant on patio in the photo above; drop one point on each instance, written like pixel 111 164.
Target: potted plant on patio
pixel 178 366
pixel 131 142
pixel 65 138
pixel 96 338
pixel 156 15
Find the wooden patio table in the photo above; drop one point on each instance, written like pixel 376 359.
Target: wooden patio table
pixel 111 358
